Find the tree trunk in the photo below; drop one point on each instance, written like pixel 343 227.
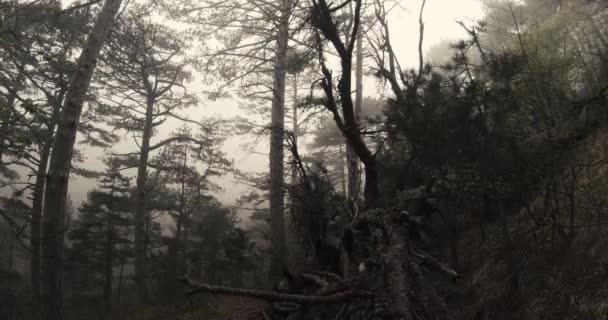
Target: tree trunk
pixel 346 121
pixel 140 203
pixel 109 258
pixel 37 202
pixel 352 163
pixel 107 281
pixel 354 172
pixel 279 254
pixel 342 171
pixel 176 264
pixel 37 206
pixel 294 115
pixel 182 221
pixel 397 280
pixel 59 169
pixel 122 267
pixel 371 184
pixel 354 138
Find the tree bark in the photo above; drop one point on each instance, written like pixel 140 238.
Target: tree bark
pixel 294 115
pixel 37 202
pixel 397 279
pixel 140 200
pixel 342 171
pixel 183 218
pixel 354 172
pixel 59 168
pixel 37 206
pixel 277 183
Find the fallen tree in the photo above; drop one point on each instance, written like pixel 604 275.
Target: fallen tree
pixel 389 283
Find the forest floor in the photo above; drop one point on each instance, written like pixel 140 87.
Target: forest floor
pixel 206 307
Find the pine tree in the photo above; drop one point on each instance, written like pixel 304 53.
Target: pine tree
pixel 47 67
pixel 242 56
pixel 145 79
pixel 102 238
pixel 189 171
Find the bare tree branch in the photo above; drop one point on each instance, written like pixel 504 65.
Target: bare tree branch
pixel 348 295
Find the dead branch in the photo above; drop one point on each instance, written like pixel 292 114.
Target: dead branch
pixel 348 295
pixel 435 264
pixel 420 41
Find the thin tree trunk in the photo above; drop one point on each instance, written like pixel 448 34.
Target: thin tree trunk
pixel 294 115
pixel 140 202
pixel 176 264
pixel 37 202
pixel 59 168
pixel 37 206
pixel 107 286
pixel 277 183
pixel 122 266
pixel 109 258
pixel 354 172
pixel 353 176
pixel 342 171
pixel 182 218
pixel 359 147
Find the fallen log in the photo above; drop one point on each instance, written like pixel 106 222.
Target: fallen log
pixel 344 296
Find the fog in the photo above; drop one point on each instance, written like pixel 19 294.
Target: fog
pixel 303 159
pixel 441 17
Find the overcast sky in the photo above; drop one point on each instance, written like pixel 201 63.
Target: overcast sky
pixel 440 18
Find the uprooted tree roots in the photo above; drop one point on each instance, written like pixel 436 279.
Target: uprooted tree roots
pixel 390 283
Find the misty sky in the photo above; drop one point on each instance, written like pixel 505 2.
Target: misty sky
pixel 439 17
